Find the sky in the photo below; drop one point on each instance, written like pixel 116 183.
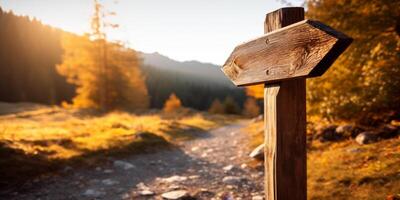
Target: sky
pixel 203 30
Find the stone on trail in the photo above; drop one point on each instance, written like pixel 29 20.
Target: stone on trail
pixel 195 148
pixel 146 193
pixel 258 152
pixel 174 179
pixel 142 186
pixel 228 168
pixel 109 182
pixel 194 177
pixel 257 198
pixel 174 187
pixel 232 180
pixel 175 195
pixel 124 165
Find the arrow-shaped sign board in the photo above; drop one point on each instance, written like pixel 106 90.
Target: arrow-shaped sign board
pixel 303 49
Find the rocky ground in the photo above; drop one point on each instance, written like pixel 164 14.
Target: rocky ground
pixel 215 166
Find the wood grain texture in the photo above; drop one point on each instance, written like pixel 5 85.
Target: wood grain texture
pixel 285 127
pixel 304 49
pixel 270 140
pixel 285 140
pixel 282 17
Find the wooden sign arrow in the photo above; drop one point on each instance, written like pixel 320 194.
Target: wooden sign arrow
pixel 303 49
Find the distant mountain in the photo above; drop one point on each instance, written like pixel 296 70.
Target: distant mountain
pixel 195 69
pixel 196 84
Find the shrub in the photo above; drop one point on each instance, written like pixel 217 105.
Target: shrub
pixel 172 104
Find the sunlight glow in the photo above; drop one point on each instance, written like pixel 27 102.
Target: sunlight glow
pixel 204 30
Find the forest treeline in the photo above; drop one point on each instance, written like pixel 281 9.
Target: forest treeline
pixel 193 91
pixel 42 64
pixel 29 52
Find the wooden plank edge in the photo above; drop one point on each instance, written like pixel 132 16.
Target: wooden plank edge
pixel 342 43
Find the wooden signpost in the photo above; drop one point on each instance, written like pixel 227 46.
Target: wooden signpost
pixel 291 50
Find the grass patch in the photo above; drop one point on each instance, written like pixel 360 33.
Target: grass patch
pixel 46 139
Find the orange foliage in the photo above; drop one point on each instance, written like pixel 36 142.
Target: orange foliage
pixel 256 91
pixel 172 104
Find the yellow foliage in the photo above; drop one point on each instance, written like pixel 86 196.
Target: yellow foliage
pixel 363 84
pixel 119 85
pixel 172 104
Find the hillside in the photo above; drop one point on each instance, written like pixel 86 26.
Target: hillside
pixel 196 84
pixel 203 71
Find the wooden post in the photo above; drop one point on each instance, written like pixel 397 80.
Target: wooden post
pixel 285 126
pixel 292 50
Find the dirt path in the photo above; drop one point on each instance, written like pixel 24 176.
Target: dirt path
pixel 211 167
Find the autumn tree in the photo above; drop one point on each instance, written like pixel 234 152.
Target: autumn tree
pixel 216 107
pixel 106 74
pixel 172 104
pixel 364 82
pixel 251 108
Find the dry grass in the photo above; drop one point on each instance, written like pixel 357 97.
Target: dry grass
pixel 42 139
pixel 62 134
pixel 256 132
pixel 346 170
